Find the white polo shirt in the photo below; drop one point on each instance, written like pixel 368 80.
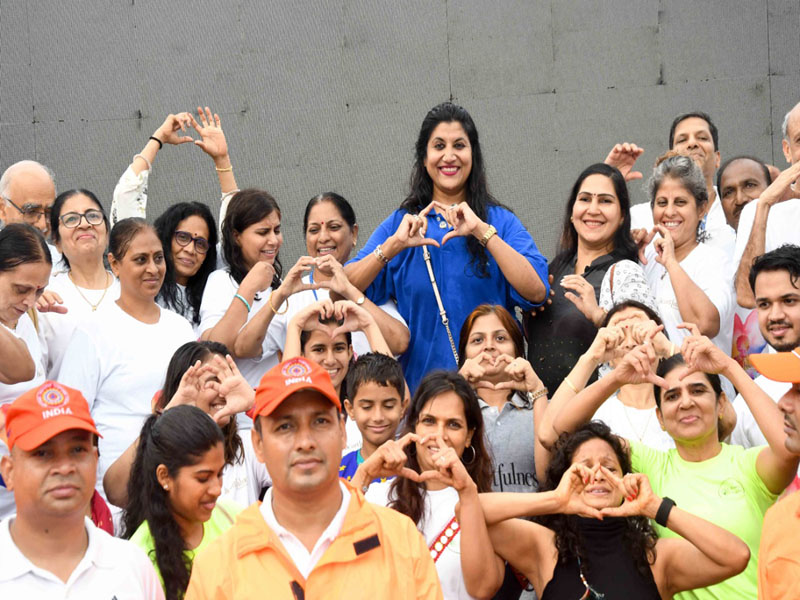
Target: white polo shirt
pixel 111 568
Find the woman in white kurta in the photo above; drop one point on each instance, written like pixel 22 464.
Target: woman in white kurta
pixel 82 284
pixel 118 361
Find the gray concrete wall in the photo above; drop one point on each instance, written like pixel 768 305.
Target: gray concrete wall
pixel 330 94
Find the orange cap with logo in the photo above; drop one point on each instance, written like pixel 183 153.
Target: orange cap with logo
pixel 780 366
pixel 289 377
pixel 42 413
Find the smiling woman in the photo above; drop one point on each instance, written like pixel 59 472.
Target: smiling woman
pixel 118 361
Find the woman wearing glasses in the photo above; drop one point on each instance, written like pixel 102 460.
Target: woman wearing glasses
pixel 81 284
pixel 189 236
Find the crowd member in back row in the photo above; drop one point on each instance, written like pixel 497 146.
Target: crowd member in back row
pixel 24 272
pixel 691 281
pixel 331 233
pixel 313 536
pixel 174 508
pixel 694 135
pixel 119 360
pixel 50 549
pixel 481 251
pixel 778 565
pixel 595 235
pixel 511 395
pixel 81 284
pixel 27 193
pixel 771 221
pixel 775 278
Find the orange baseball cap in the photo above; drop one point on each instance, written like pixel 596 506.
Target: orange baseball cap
pixel 289 377
pixel 42 413
pixel 781 366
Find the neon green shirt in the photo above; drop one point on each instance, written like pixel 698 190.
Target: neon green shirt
pixel 725 490
pixel 221 519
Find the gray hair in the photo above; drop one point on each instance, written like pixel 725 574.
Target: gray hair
pixel 8 174
pixel 785 124
pixel 686 171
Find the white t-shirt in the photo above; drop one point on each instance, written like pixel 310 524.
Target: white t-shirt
pixel 631 423
pixel 243 481
pixel 721 235
pixel 110 568
pixel 783 227
pixel 276 334
pixel 56 329
pixel 747 433
pixel 217 297
pixel 119 363
pixel 709 269
pixel 26 332
pixel 439 509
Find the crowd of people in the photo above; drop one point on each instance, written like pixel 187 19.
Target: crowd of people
pixel 442 413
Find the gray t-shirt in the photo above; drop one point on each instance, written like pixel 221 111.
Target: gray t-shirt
pixel 510 437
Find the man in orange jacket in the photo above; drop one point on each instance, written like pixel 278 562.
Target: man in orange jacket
pixel 312 536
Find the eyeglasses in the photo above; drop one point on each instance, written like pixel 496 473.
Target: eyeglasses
pixel 31 213
pixel 184 238
pixel 71 220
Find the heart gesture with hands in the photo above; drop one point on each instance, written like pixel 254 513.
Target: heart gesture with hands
pixel 640 500
pixel 449 468
pixel 391 460
pixel 462 219
pixel 338 281
pixel 642 239
pixel 520 373
pixel 623 156
pixel 168 131
pixel 412 229
pixel 664 247
pixel 293 282
pixel 229 384
pixel 50 302
pixel 569 492
pixel 351 317
pixel 701 354
pixel 605 344
pixel 641 331
pixel 475 369
pixel 311 317
pixel 212 139
pixel 190 386
pixel 637 366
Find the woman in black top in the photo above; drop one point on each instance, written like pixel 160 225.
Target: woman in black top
pixel 595 235
pixel 572 553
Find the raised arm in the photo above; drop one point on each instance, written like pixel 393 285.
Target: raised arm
pixel 706 555
pixel 130 194
pixel 308 318
pixel 693 303
pixel 756 240
pixel 775 464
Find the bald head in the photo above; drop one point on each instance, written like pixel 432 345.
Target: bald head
pixel 28 191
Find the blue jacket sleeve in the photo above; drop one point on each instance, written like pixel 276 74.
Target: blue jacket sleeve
pixel 513 233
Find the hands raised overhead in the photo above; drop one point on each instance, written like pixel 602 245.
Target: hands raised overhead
pixel 623 156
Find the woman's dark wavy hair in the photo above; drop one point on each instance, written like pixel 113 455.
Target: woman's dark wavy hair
pixel 166 225
pixel 508 321
pixel 21 243
pixel 568 245
pixel 177 439
pixel 246 208
pixel 410 495
pixel 638 537
pixel 478 197
pixel 58 207
pixel 185 357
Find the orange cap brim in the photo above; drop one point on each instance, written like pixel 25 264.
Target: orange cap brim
pixel 783 366
pixel 30 440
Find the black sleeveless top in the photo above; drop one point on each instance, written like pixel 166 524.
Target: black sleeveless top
pixel 608 567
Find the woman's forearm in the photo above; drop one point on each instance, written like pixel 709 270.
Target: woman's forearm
pixel 250 338
pixel 500 506
pixel 584 404
pixel 483 570
pixel 517 270
pixel 693 304
pixel 578 377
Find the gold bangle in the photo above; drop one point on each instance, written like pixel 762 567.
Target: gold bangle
pixel 570 385
pixel 490 232
pixel 269 301
pixel 225 170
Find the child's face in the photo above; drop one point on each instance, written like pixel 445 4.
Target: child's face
pixel 377 410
